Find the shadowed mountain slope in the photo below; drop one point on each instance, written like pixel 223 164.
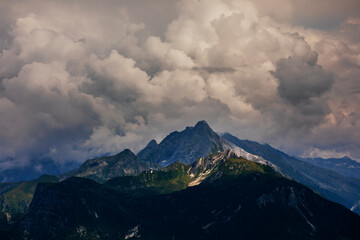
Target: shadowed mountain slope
pixel 15 202
pixel 329 184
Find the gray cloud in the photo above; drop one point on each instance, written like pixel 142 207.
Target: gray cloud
pixel 85 78
pixel 320 14
pixel 324 14
pixel 301 80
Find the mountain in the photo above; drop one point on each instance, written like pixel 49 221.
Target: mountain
pixel 344 166
pixel 5 187
pixel 222 197
pixel 37 167
pixel 126 184
pixel 189 145
pixel 329 184
pixel 185 146
pixel 104 168
pixel 174 177
pixel 16 197
pixel 15 201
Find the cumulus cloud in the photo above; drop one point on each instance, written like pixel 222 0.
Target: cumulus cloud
pixel 81 79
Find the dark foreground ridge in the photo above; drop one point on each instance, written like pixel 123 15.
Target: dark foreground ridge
pixel 228 198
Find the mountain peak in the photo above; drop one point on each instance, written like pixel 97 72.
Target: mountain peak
pixel 185 146
pixel 104 168
pixel 152 143
pixel 202 123
pixel 126 152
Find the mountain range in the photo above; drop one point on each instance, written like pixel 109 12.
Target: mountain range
pixel 196 161
pixel 222 196
pixel 344 166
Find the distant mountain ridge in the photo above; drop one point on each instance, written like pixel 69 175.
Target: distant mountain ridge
pixel 344 166
pixel 102 169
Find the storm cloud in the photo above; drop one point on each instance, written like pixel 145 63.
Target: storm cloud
pixel 81 79
pixel 300 79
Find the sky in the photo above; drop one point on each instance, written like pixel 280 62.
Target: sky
pixel 86 78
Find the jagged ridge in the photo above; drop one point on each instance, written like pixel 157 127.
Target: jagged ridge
pixel 101 169
pixel 185 146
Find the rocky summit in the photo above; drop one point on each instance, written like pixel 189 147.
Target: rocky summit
pixel 185 146
pixel 105 168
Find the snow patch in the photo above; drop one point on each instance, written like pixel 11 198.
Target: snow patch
pixel 242 153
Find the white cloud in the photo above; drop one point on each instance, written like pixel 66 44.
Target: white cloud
pixel 86 79
pixel 315 152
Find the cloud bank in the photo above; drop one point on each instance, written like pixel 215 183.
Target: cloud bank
pixel 81 79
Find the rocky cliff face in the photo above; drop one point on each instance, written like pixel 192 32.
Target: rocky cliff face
pixel 185 146
pixel 102 169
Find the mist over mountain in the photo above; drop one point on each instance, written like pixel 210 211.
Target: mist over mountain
pixel 38 167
